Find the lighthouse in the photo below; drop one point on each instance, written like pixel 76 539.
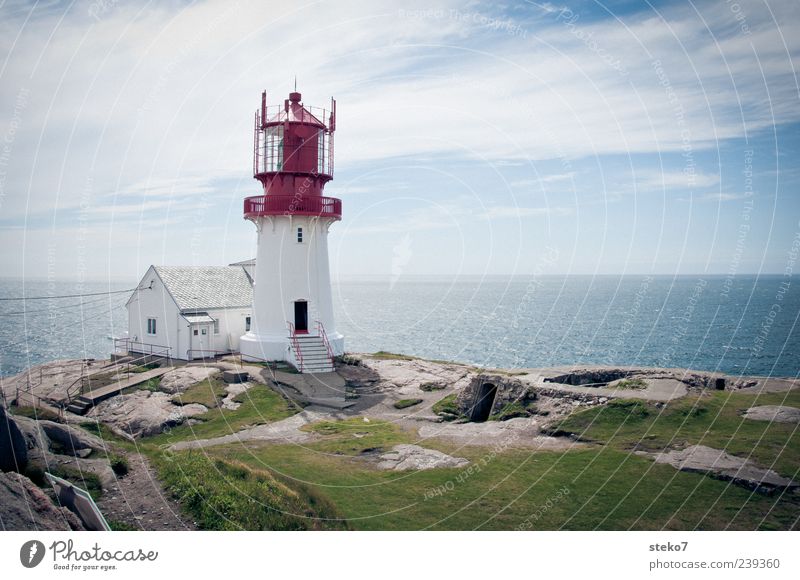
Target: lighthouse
pixel 292 303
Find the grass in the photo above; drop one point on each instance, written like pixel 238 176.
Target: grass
pixel 447 408
pixel 607 489
pixel 428 387
pixel 355 436
pixel 224 494
pixel 85 480
pixel 631 384
pixel 382 354
pixel 144 368
pixel 259 405
pixel 35 413
pixel 405 403
pixel 119 464
pixel 711 418
pixel 208 392
pixel 513 410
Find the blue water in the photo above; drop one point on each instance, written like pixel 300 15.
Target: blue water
pixel 746 325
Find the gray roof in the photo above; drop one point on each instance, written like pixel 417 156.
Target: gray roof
pixel 207 287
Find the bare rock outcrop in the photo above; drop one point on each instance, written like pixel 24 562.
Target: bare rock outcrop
pixel 181 378
pixel 23 506
pixel 405 457
pixel 144 413
pixel 777 413
pixel 717 463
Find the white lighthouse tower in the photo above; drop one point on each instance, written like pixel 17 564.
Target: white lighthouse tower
pixel 292 303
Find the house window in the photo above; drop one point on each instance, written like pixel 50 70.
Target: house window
pixel 195 332
pixel 151 326
pixel 204 331
pixel 216 326
pixel 247 324
pixel 299 235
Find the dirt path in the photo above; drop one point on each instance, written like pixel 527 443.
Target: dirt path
pixel 138 500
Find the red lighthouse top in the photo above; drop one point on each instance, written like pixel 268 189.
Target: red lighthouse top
pixel 293 159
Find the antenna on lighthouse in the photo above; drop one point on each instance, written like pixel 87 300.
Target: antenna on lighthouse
pixel 295 83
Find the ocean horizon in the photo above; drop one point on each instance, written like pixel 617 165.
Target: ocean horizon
pixel 743 325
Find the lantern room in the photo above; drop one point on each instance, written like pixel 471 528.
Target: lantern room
pixel 293 159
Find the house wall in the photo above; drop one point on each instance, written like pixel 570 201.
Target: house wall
pixel 155 303
pixel 231 327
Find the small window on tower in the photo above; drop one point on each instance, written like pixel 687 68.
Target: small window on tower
pixel 247 324
pixel 299 235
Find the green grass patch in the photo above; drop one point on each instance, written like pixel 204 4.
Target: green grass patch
pixel 713 418
pixel 608 489
pixel 85 480
pixel 405 403
pixel 447 408
pixel 119 464
pixel 230 495
pixel 259 405
pixel 208 392
pixel 428 387
pixel 513 410
pixel 144 368
pixel 631 384
pixel 382 354
pixel 355 436
pixel 35 413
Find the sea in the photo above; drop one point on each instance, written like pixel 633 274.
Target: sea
pixel 740 325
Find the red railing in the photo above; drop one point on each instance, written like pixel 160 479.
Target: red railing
pixel 324 335
pixel 296 346
pixel 260 205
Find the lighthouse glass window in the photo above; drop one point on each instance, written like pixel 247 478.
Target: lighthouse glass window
pixel 299 235
pixel 273 148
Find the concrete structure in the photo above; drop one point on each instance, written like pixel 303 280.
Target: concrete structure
pixel 193 312
pixel 292 307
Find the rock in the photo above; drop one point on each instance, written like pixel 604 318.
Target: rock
pixel 777 413
pixel 181 378
pixel 404 457
pixel 23 506
pixel 71 439
pixel 235 376
pixel 717 463
pixel 144 413
pixel 13 445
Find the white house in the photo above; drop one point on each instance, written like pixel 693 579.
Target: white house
pixel 194 312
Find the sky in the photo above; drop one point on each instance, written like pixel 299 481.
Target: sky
pixel 588 137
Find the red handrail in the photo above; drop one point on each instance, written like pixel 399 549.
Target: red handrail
pixel 324 335
pixel 296 344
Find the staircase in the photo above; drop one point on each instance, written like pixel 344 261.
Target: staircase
pixel 80 405
pixel 311 354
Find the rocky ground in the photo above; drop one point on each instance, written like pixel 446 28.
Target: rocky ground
pixel 407 392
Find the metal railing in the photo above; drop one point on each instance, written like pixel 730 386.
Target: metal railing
pixel 295 345
pixel 139 347
pixel 324 335
pixel 315 205
pixel 76 388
